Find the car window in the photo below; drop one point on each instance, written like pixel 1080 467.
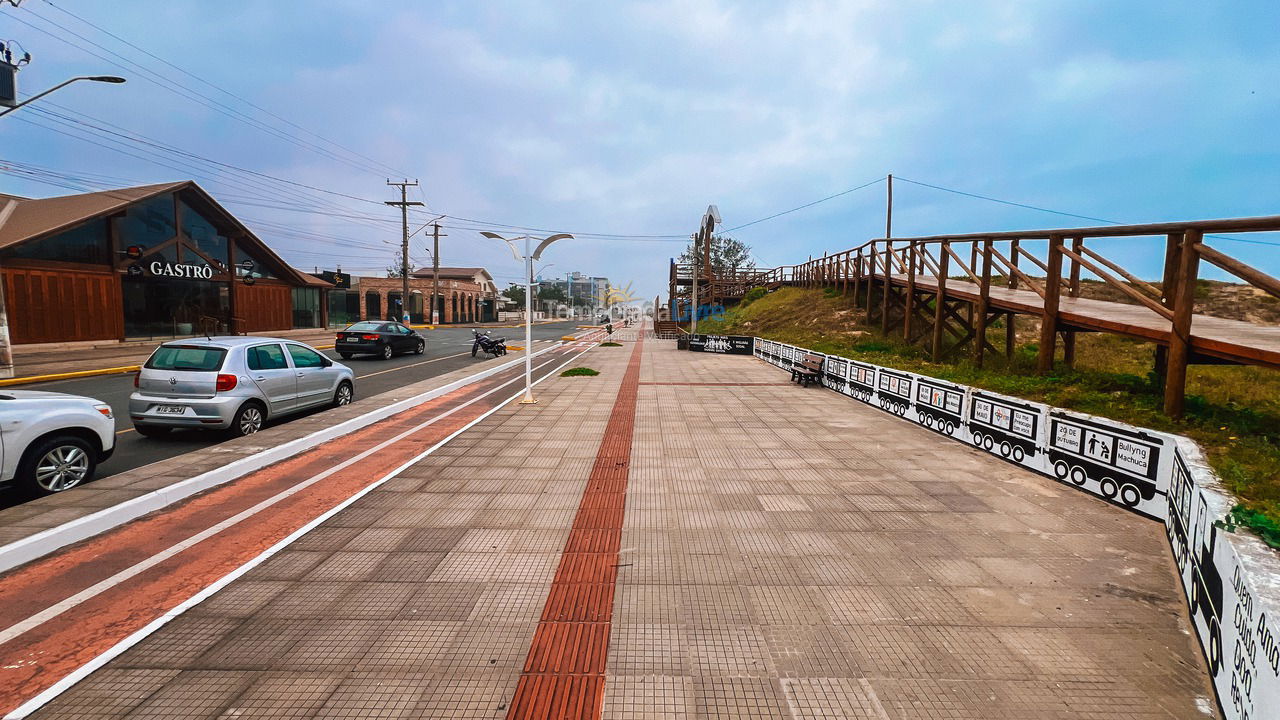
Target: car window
pixel 304 357
pixel 404 330
pixel 266 357
pixel 365 327
pixel 184 357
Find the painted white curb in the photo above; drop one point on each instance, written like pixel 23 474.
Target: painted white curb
pixel 46 541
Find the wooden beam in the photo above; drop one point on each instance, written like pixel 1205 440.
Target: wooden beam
pixel 871 271
pixel 1015 274
pixel 1148 287
pixel 1175 383
pixel 909 309
pixel 940 301
pixel 984 299
pixel 1073 289
pixel 1126 289
pixel 884 295
pixel 1049 317
pixel 1248 273
pixel 967 271
pixel 1010 319
pixel 1035 260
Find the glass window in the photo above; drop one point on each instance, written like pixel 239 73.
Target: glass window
pixel 203 235
pixel 305 357
pixel 148 224
pixel 259 269
pixel 84 244
pixel 266 357
pixel 184 357
pixel 165 307
pixel 366 326
pixel 306 307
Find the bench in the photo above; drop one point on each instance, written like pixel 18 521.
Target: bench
pixel 807 370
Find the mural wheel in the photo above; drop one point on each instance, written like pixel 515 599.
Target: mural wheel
pixel 1078 475
pixel 1109 488
pixel 977 439
pixel 1195 592
pixel 950 428
pixel 1060 470
pixel 1215 646
pixel 988 442
pixel 1129 495
pixel 928 421
pixel 1018 453
pixel 1006 449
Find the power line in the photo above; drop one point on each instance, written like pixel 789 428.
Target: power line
pixel 63 10
pixel 806 205
pixel 1067 214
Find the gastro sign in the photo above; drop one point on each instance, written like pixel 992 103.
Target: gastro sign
pixel 180 270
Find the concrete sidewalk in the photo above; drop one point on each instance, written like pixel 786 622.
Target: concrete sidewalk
pixel 783 553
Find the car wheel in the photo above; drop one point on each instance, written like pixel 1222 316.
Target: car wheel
pixel 345 355
pixel 343 395
pixel 386 352
pixel 56 464
pixel 420 348
pixel 248 420
pixel 151 430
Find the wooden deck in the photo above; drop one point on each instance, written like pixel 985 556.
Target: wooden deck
pixel 1234 341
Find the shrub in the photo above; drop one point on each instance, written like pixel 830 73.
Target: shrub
pixel 753 295
pixel 579 372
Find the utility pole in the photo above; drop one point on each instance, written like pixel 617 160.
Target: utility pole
pixel 435 274
pixel 888 211
pixel 693 322
pixel 404 204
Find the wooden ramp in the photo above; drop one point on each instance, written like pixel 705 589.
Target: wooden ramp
pixel 928 290
pixel 1232 341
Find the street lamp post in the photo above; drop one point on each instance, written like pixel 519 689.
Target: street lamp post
pixel 528 258
pixel 6 349
pixel 64 83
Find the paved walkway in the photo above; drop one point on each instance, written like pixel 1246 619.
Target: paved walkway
pixel 783 553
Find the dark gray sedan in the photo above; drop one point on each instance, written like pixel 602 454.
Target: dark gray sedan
pixel 382 339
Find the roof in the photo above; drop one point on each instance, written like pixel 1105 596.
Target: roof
pixel 23 219
pixel 33 217
pixel 454 272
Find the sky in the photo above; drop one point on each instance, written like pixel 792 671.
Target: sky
pixel 630 118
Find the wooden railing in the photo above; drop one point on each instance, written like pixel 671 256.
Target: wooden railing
pixel 1002 259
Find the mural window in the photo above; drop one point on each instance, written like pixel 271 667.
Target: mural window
pixel 84 244
pixel 203 235
pixel 148 224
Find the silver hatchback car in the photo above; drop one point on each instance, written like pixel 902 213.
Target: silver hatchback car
pixel 233 383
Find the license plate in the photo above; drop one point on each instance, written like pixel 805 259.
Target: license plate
pixel 170 409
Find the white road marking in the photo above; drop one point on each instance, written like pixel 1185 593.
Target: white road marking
pixel 90 592
pixel 85 670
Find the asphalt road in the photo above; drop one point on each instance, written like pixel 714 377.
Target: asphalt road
pixel 448 349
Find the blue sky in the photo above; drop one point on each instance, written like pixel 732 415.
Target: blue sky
pixel 631 117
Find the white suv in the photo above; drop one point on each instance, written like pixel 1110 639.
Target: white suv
pixel 50 442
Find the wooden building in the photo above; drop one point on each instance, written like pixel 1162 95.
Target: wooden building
pixel 156 261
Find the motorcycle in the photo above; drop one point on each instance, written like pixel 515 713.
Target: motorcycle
pixel 493 346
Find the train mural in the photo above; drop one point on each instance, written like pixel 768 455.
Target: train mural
pixel 1147 472
pixel 1007 427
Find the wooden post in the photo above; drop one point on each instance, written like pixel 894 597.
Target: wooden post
pixel 888 287
pixel 940 301
pixel 1049 317
pixel 857 278
pixel 1073 289
pixel 984 300
pixel 1175 383
pixel 871 274
pixel 1168 289
pixel 1011 318
pixel 910 306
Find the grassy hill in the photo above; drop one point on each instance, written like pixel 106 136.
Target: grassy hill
pixel 1233 412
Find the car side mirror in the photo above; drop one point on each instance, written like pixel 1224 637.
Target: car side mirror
pixel 326 362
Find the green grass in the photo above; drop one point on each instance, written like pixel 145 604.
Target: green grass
pixel 610 344
pixel 1232 412
pixel 579 372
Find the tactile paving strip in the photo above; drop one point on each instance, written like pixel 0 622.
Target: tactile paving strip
pixel 563 675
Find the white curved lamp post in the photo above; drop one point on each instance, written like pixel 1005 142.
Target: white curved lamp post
pixel 528 258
